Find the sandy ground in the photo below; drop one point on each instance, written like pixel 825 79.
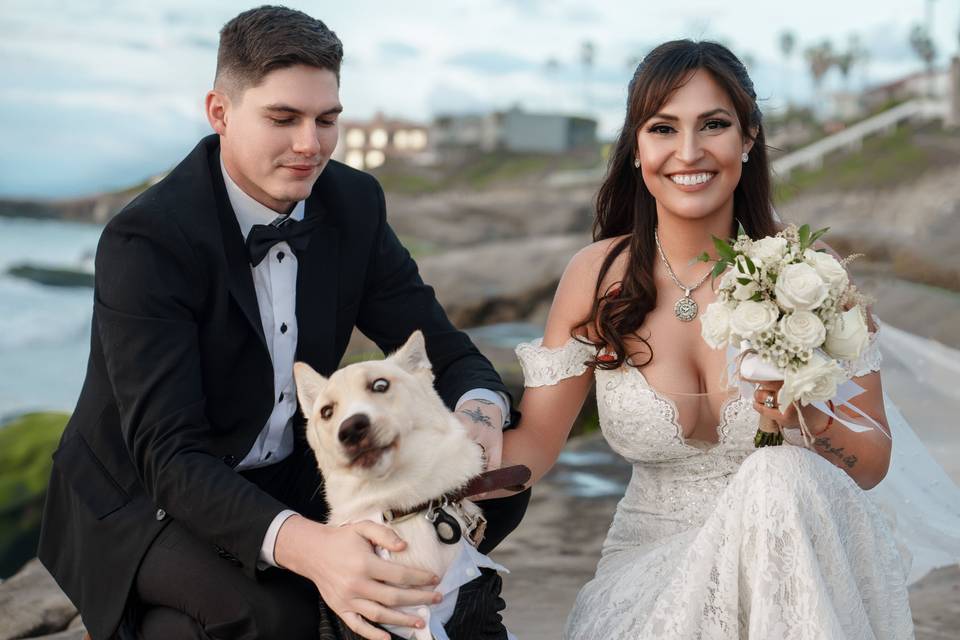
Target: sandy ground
pixel 555 549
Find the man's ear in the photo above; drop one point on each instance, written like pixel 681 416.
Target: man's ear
pixel 310 385
pixel 217 104
pixel 412 356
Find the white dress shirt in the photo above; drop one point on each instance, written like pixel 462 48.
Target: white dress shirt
pixel 275 281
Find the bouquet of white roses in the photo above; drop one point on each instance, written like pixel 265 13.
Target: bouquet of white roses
pixel 790 310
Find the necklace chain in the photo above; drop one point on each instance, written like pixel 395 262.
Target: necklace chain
pixel 687 290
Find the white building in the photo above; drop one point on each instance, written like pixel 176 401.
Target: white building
pixel 368 144
pixel 514 130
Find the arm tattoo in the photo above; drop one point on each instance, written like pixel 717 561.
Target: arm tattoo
pixel 484 401
pixel 824 444
pixel 477 416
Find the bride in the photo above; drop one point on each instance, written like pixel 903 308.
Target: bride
pixel 714 538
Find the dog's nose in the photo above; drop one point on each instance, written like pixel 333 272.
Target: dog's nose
pixel 354 429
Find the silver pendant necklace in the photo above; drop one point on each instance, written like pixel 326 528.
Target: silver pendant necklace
pixel 686 307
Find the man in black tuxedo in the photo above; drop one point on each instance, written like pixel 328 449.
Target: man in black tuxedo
pixel 183 501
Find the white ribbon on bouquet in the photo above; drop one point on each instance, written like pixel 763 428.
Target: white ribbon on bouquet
pixel 743 364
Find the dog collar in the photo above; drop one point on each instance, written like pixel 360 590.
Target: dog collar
pixel 511 478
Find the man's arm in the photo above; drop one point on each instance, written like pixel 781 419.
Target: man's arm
pixel 396 302
pixel 149 290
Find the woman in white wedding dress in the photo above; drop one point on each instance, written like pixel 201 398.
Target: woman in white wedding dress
pixel 713 538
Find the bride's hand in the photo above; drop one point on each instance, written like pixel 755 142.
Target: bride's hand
pixel 765 394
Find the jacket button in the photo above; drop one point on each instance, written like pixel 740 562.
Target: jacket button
pixel 230 461
pixel 161 514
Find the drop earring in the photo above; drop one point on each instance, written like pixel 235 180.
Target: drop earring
pixel 636 162
pixel 744 157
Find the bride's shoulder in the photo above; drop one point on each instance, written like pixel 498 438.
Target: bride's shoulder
pixel 576 293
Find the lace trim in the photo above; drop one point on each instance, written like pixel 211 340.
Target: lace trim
pixel 543 366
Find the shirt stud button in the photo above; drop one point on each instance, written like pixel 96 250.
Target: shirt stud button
pixel 280 256
pixel 283 328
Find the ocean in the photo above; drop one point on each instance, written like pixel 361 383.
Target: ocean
pixel 44 331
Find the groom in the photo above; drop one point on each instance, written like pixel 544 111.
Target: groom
pixel 183 501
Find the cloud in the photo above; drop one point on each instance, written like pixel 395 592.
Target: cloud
pixel 396 51
pixel 445 98
pixel 492 62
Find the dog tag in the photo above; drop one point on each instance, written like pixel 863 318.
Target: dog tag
pixel 448 529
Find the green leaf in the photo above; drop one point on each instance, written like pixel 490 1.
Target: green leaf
pixel 818 234
pixel 740 230
pixel 804 237
pixel 724 249
pixel 718 268
pixel 703 257
pixel 757 297
pixel 752 268
pixel 744 280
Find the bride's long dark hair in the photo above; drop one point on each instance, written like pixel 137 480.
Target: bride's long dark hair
pixel 625 206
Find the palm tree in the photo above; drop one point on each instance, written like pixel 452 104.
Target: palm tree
pixel 923 45
pixel 788 43
pixel 587 54
pixel 820 59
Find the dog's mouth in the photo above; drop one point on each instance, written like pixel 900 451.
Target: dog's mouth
pixel 366 457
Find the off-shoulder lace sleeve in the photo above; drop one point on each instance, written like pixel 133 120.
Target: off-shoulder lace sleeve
pixel 543 366
pixel 869 361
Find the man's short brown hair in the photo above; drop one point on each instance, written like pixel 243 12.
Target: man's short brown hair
pixel 267 38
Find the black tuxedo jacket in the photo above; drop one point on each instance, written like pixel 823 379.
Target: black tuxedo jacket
pixel 179 381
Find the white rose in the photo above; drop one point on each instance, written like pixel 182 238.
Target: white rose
pixel 729 279
pixel 715 325
pixel 751 318
pixel 803 328
pixel 849 335
pixel 816 381
pixel 745 291
pixel 828 268
pixel 768 250
pixel 800 288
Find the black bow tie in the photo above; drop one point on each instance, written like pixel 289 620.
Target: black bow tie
pixel 284 229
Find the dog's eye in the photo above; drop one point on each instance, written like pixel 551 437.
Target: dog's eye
pixel 380 385
pixel 326 412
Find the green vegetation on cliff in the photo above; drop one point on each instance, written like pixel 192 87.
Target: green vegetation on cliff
pixel 26 446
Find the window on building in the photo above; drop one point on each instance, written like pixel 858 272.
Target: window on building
pixel 356 138
pixel 378 138
pixel 354 158
pixel 417 139
pixel 374 158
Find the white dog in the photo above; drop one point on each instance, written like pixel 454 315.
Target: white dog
pixel 386 444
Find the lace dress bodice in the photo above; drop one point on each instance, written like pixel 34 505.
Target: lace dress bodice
pixel 675 481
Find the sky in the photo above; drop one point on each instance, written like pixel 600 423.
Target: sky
pixel 101 94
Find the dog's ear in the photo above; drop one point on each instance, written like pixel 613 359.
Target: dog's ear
pixel 412 356
pixel 310 385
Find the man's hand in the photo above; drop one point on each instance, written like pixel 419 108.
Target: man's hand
pixel 356 583
pixel 484 424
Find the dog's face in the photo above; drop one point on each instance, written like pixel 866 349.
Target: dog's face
pixel 369 417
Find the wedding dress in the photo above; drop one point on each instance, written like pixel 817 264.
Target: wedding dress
pixel 718 541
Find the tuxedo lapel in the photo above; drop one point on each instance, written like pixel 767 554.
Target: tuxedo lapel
pixel 240 277
pixel 317 275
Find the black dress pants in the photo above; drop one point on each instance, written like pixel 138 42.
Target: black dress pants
pixel 187 588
